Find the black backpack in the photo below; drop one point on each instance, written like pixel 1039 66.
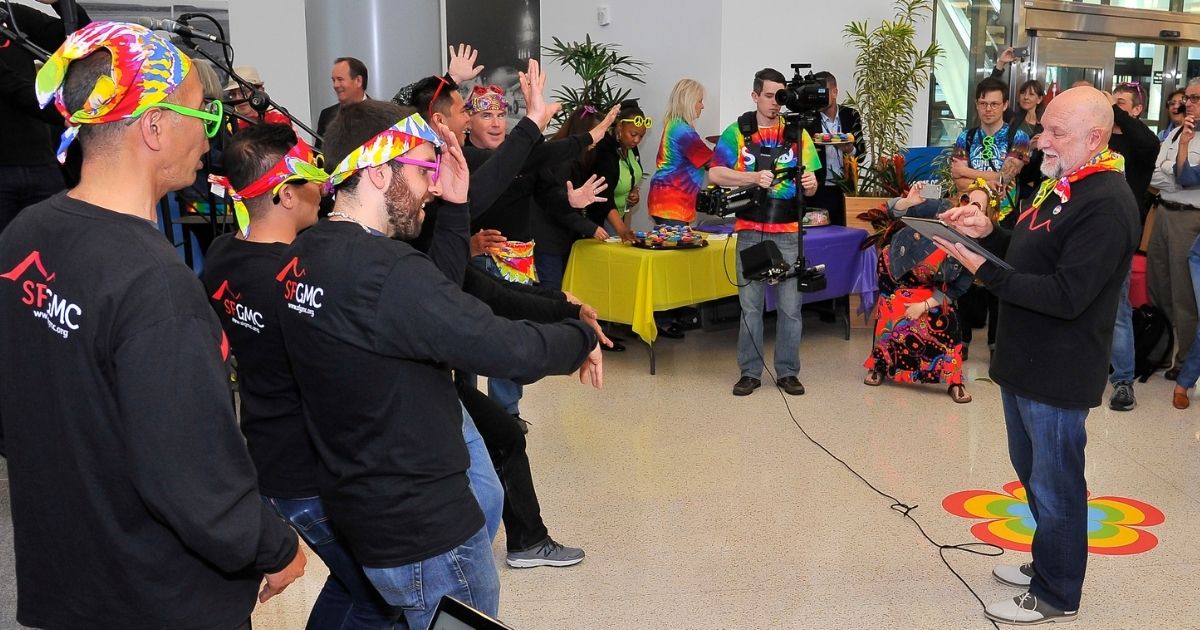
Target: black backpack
pixel 1153 340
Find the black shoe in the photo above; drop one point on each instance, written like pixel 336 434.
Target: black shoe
pixel 670 332
pixel 523 423
pixel 746 386
pixel 791 385
pixel 616 347
pixel 1172 374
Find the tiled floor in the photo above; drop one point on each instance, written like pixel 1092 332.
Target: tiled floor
pixel 701 510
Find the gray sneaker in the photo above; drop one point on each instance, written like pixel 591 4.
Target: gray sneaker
pixel 1122 398
pixel 545 554
pixel 1013 575
pixel 1026 610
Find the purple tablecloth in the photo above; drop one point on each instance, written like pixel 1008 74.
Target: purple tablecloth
pixel 847 268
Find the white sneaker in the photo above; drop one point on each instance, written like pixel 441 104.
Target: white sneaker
pixel 1013 575
pixel 1026 610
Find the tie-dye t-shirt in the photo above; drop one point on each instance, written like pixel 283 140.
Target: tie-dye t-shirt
pixel 732 152
pixel 682 158
pixel 988 153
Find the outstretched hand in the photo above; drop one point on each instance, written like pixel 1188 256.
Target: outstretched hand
pixel 462 63
pixel 454 180
pixel 589 316
pixel 602 127
pixel 592 369
pixel 587 193
pixel 533 88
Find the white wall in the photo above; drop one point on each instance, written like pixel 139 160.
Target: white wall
pixel 270 35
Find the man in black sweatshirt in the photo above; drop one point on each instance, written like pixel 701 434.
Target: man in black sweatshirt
pixel 1070 252
pixel 370 326
pixel 128 473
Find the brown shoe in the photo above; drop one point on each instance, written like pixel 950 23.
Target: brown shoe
pixel 1180 399
pixel 958 394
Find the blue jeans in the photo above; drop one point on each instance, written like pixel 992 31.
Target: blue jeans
pixel 1122 343
pixel 1046 447
pixel 551 268
pixel 788 326
pixel 1189 372
pixel 348 600
pixel 466 573
pixel 506 393
pixel 485 484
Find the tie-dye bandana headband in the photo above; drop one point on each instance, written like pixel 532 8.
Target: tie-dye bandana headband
pixel 485 98
pixel 515 261
pixel 387 145
pixel 301 163
pixel 146 68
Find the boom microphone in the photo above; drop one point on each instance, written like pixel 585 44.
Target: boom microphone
pixel 178 28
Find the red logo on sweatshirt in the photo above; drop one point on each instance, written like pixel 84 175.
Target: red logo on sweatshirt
pixel 300 296
pixel 61 315
pixel 238 313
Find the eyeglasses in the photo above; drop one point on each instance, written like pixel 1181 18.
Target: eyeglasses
pixel 989 104
pixel 1175 102
pixel 425 165
pixel 1193 98
pixel 212 114
pixel 639 121
pixel 966 199
pixel 1131 85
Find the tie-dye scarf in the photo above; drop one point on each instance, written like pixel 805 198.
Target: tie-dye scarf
pixel 146 68
pixel 301 163
pixel 1106 160
pixel 515 260
pixel 386 146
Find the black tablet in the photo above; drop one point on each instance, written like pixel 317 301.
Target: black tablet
pixel 452 614
pixel 930 228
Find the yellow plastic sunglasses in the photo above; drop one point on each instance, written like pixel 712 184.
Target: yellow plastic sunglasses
pixel 639 121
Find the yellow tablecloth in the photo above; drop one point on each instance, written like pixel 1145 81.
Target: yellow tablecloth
pixel 627 284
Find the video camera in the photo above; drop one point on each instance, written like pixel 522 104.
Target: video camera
pixel 723 202
pixel 764 263
pixel 804 96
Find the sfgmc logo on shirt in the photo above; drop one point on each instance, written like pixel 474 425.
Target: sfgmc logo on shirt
pixel 238 313
pixel 62 315
pixel 300 296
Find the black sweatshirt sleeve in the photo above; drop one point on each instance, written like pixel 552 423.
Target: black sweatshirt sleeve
pixel 424 316
pixel 46 31
pixel 554 152
pixel 187 458
pixel 491 177
pixel 1091 252
pixel 1143 142
pixel 18 92
pixel 607 165
pixel 508 300
pixel 450 245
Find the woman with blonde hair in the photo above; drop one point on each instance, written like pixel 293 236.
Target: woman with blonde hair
pixel 683 158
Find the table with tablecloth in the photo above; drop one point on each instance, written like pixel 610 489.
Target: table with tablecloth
pixel 627 284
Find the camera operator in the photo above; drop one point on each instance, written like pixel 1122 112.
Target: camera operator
pixel 757 150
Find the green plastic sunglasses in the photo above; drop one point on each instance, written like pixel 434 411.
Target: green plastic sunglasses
pixel 212 114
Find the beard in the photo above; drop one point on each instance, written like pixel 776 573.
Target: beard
pixel 404 210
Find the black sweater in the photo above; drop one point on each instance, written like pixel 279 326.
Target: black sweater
pixel 1139 145
pixel 127 470
pixel 1058 306
pixel 370 326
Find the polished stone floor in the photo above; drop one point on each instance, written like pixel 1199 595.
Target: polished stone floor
pixel 701 510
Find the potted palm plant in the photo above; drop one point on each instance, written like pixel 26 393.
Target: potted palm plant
pixel 890 72
pixel 597 64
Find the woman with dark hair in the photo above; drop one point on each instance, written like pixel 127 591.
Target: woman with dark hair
pixel 617 160
pixel 1027 111
pixel 1175 113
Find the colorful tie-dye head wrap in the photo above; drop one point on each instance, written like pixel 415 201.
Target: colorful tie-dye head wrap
pixel 387 145
pixel 146 67
pixel 301 163
pixel 515 261
pixel 485 98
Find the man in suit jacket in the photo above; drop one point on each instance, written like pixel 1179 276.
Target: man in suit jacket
pixel 835 119
pixel 349 78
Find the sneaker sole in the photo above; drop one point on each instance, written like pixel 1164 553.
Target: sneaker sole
pixel 1064 618
pixel 529 564
pixel 1120 408
pixel 1010 583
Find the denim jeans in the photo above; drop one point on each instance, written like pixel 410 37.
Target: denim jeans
pixel 551 268
pixel 505 392
pixel 1046 447
pixel 1122 343
pixel 1189 372
pixel 485 485
pixel 23 186
pixel 788 326
pixel 466 573
pixel 348 600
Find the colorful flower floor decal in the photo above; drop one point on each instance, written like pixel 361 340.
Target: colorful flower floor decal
pixel 1114 523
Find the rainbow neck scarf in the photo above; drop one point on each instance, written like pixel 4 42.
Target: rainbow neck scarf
pixel 1106 160
pixel 146 68
pixel 301 163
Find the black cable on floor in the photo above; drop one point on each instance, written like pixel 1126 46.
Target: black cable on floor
pixel 984 549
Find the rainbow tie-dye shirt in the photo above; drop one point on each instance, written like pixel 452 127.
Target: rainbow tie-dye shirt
pixel 732 152
pixel 682 158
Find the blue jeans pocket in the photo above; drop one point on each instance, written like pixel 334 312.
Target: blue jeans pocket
pixel 307 517
pixel 400 586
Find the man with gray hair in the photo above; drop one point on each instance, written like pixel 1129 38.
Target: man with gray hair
pixel 1070 252
pixel 1176 225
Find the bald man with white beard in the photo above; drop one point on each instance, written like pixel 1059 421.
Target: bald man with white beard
pixel 1070 251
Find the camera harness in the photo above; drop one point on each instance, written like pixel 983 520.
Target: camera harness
pixel 765 209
